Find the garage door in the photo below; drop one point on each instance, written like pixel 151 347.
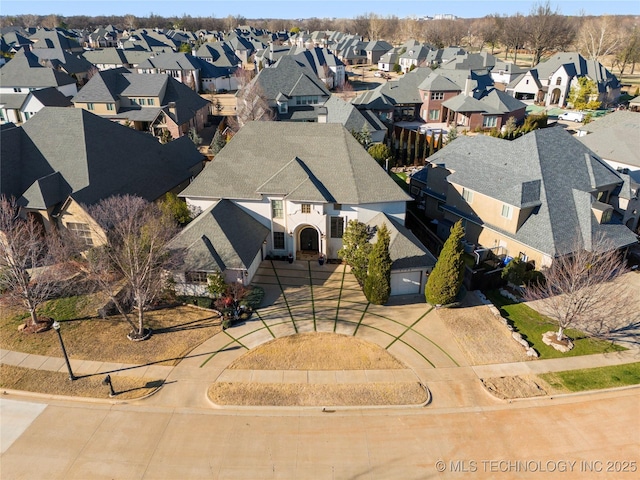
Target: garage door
pixel 405 283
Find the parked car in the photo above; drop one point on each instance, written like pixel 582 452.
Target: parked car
pixel 377 74
pixel 572 116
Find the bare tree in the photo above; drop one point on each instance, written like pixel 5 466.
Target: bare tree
pixel 629 52
pixel 29 275
pixel 135 254
pixel 512 34
pixel 578 289
pixel 376 29
pixel 547 30
pixel 488 30
pixel 598 37
pixel 251 102
pixel 130 22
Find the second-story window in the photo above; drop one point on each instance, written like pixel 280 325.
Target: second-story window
pixel 142 101
pixel 150 101
pixel 467 195
pixel 90 106
pixel 306 208
pixel 337 227
pixel 277 210
pixel 437 95
pixel 507 211
pixel 111 107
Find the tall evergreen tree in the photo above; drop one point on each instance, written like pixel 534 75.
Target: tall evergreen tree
pixel 445 280
pixel 401 156
pixel 416 149
pixel 432 148
pixel 218 142
pixel 377 285
pixel 356 248
pixel 425 145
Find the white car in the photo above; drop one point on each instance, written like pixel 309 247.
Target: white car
pixel 572 116
pixel 377 74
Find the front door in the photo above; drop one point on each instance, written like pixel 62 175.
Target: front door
pixel 309 239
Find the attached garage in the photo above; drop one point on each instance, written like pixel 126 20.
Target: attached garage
pixel 411 260
pixel 406 283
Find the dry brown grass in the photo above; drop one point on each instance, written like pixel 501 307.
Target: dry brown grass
pixel 523 386
pixel 481 336
pixel 317 351
pixel 314 395
pixel 57 383
pixel 177 331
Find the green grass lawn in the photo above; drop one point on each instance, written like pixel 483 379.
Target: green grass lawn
pixel 533 325
pixel 595 378
pixel 401 179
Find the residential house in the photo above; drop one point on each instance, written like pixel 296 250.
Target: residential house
pixel 550 81
pixel 503 73
pixel 17 108
pixel 395 100
pixel 151 103
pixel 293 91
pixel 65 159
pixel 413 57
pixel 149 40
pixel 336 110
pixel 351 50
pixel 376 49
pixel 535 197
pixel 327 67
pixel 72 64
pixel 389 59
pixel 195 72
pixel 614 138
pixel 308 186
pixel 103 37
pixel 55 39
pixel 241 46
pixel 220 54
pixel 107 58
pixel 434 90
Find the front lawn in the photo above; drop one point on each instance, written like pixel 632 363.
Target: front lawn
pixel 533 325
pixel 594 378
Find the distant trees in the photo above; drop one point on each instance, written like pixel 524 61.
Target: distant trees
pixel 445 280
pixel 546 30
pixel 598 37
pixel 377 284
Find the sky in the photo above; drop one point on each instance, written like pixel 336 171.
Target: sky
pixel 309 8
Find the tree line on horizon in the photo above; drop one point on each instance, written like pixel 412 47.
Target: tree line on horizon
pixel 541 31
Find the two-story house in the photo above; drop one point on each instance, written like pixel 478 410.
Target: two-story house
pixel 535 197
pixel 283 189
pixel 150 103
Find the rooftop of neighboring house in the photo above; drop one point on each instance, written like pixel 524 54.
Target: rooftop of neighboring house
pixel 24 70
pixel 58 58
pixel 547 170
pixel 44 38
pixel 615 137
pixel 106 56
pixel 354 120
pixel 221 54
pixel 491 101
pixel 470 61
pixel 576 65
pixel 378 46
pixel 311 162
pixel 404 90
pixel 67 151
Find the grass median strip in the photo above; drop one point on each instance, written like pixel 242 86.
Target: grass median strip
pixel 595 378
pixel 58 383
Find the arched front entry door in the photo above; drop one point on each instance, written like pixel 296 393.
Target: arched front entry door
pixel 309 240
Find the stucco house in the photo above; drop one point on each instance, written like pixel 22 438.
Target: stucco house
pixel 65 159
pixel 535 197
pixel 306 181
pixel 550 81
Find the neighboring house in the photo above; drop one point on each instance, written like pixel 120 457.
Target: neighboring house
pixel 535 197
pixel 18 108
pixel 396 100
pixel 292 91
pixel 327 67
pixel 484 109
pixel 149 40
pixel 389 59
pixel 614 138
pixel 241 46
pixel 505 72
pixel 376 49
pixel 107 58
pixel 55 39
pixel 196 73
pixel 351 50
pixel 220 54
pixel 72 64
pixel 151 103
pixel 25 73
pixel 307 187
pixel 11 42
pixel 268 56
pixel 413 57
pixel 336 110
pixel 103 37
pixel 65 159
pixel 434 90
pixel 550 82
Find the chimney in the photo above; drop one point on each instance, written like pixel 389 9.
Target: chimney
pixel 322 114
pixel 172 109
pixel 467 86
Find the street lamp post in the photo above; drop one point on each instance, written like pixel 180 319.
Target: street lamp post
pixel 56 327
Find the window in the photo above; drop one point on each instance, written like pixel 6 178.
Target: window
pixel 282 107
pixel 307 100
pixel 90 106
pixel 490 122
pixel 151 101
pixel 276 209
pixel 111 107
pixel 142 101
pixel 278 240
pixel 558 81
pixel 337 206
pixel 467 195
pixel 434 114
pixel 337 227
pixel 196 277
pixel 306 208
pixel 437 95
pixel 16 90
pixel 507 210
pixel 133 101
pixel 83 232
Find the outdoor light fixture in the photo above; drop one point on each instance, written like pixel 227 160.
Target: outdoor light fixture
pixel 56 327
pixel 107 381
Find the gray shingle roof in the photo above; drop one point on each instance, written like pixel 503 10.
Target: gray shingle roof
pixel 24 71
pixel 335 161
pixel 223 236
pixel 566 171
pixel 339 111
pixel 405 250
pixel 289 78
pixel 51 97
pixel 438 83
pixel 106 56
pixel 97 158
pixel 615 137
